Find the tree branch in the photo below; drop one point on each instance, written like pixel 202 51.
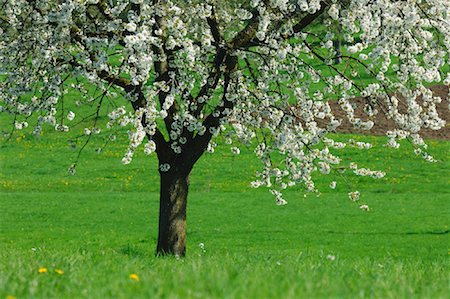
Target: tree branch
pixel 309 18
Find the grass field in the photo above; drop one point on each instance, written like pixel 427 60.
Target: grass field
pixel 100 226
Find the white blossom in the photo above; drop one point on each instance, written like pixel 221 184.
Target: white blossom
pixel 70 115
pixel 149 147
pixel 364 208
pixel 354 195
pixel 333 185
pixel 164 167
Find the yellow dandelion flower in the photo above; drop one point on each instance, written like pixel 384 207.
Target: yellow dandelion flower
pixel 42 270
pixel 134 277
pixel 10 297
pixel 59 271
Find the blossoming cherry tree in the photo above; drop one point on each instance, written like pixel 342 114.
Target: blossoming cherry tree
pixel 258 73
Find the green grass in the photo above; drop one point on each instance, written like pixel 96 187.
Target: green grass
pixel 100 226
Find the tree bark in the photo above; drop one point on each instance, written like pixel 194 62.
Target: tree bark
pixel 172 213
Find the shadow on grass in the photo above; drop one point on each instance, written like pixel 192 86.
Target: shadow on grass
pixel 132 251
pixel 445 232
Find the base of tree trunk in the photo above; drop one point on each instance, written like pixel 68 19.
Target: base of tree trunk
pixel 172 214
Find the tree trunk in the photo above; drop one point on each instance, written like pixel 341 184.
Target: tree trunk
pixel 172 213
pixel 174 185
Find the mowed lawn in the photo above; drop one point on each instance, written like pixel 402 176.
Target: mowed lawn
pixel 100 226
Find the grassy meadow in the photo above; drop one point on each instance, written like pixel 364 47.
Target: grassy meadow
pixel 89 233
